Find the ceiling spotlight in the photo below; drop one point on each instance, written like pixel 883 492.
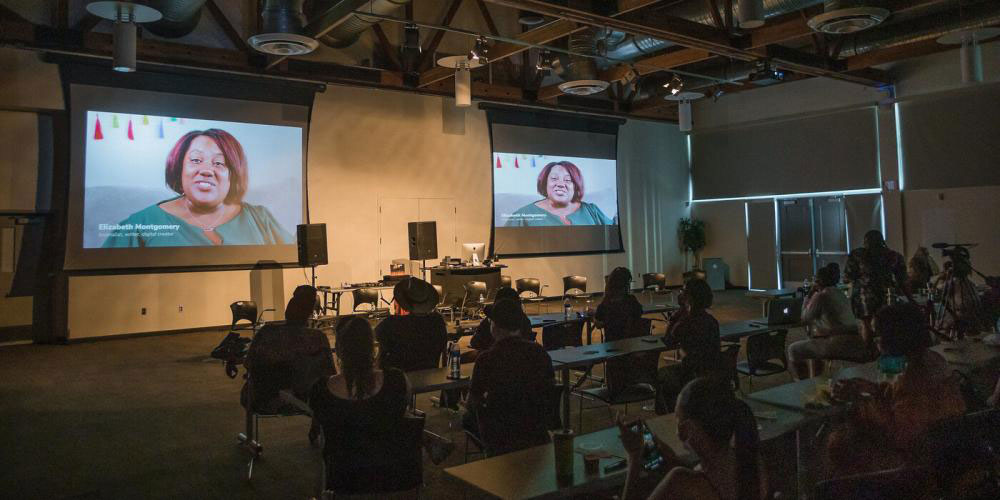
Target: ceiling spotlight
pixel 125 16
pixel 480 51
pixel 675 85
pixel 544 61
pixel 717 92
pixel 765 74
pixel 971 56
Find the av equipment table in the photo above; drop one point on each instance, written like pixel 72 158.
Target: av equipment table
pixel 453 279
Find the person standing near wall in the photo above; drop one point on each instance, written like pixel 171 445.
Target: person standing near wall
pixel 872 271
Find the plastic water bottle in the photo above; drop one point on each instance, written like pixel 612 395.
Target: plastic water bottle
pixel 566 308
pixel 454 360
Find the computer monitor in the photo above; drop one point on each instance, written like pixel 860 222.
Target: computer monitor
pixel 473 252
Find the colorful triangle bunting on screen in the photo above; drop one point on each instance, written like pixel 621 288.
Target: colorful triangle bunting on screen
pixel 145 120
pixel 516 165
pixel 98 135
pixel 114 121
pixel 533 162
pixel 159 129
pixel 499 165
pixel 131 136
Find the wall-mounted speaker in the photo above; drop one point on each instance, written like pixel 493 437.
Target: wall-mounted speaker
pixel 311 240
pixel 423 240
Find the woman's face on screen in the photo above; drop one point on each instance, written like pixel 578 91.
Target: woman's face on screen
pixel 560 187
pixel 205 177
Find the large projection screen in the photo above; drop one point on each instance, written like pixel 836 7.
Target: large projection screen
pixel 555 183
pixel 162 180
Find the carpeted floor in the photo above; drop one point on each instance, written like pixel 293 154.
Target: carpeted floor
pixel 155 417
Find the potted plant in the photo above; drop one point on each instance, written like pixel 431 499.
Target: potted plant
pixel 692 236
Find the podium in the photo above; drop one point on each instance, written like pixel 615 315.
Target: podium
pixel 452 280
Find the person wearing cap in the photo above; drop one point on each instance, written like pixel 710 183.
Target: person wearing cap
pixel 510 396
pixel 483 338
pixel 287 355
pixel 416 340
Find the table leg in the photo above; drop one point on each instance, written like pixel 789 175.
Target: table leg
pixel 567 385
pixel 590 331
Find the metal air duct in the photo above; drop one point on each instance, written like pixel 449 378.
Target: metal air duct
pixel 180 17
pixel 348 31
pixel 580 72
pixel 924 28
pixel 841 17
pixel 281 30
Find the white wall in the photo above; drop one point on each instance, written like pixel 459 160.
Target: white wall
pixel 367 145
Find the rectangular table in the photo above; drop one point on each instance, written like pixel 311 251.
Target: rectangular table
pixel 734 331
pixel 967 353
pixel 530 473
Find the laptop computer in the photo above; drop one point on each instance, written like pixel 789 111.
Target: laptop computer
pixel 784 311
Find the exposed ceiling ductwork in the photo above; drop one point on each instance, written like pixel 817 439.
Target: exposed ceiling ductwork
pixel 841 17
pixel 350 29
pixel 924 28
pixel 281 29
pixel 580 71
pixel 180 17
pixel 636 46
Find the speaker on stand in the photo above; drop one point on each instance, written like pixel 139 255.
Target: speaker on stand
pixel 423 243
pixel 311 240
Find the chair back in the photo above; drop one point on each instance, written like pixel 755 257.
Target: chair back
pixel 655 281
pixel 243 310
pixel 440 291
pixel 365 296
pixel 392 464
pixel 532 285
pixel 765 347
pixel 564 335
pixel 574 284
pixel 628 371
pixel 473 290
pixel 504 281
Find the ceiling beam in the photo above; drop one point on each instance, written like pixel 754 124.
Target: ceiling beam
pixel 220 18
pixel 538 36
pixel 426 59
pixel 386 47
pixel 677 32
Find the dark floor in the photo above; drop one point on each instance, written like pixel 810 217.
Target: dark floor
pixel 154 417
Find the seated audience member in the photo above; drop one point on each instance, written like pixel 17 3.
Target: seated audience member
pixel 511 389
pixel 888 419
pixel 834 333
pixel 696 333
pixel 416 340
pixel 287 355
pixel 717 427
pixel 360 410
pixel 921 269
pixel 483 338
pixel 619 310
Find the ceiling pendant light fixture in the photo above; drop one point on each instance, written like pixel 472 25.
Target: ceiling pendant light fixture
pixel 544 61
pixel 970 53
pixel 125 16
pixel 463 77
pixel 675 85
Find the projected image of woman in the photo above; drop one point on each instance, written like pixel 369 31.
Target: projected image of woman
pixel 561 183
pixel 208 171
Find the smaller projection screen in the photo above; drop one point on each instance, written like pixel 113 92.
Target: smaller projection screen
pixel 167 180
pixel 555 183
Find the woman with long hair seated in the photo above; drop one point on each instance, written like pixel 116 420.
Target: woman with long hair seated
pixel 717 427
pixel 619 310
pixel 360 410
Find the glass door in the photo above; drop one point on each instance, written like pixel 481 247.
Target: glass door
pixel 812 233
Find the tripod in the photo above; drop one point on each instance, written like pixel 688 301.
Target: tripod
pixel 960 311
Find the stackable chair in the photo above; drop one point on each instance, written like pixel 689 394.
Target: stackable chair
pixel 390 465
pixel 245 310
pixel 575 286
pixel 364 296
pixel 443 306
pixel 766 355
pixel 533 288
pixel 470 302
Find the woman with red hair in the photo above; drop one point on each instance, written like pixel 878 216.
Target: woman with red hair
pixel 561 184
pixel 208 171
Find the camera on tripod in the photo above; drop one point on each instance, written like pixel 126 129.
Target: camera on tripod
pixel 961 260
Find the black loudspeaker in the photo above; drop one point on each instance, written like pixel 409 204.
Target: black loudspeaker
pixel 312 244
pixel 423 240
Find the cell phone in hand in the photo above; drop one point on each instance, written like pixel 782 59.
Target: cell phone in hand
pixel 651 457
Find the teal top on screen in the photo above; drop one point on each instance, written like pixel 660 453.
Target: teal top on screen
pixel 254 225
pixel 531 215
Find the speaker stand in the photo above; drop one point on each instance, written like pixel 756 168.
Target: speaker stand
pixel 314 276
pixel 423 269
